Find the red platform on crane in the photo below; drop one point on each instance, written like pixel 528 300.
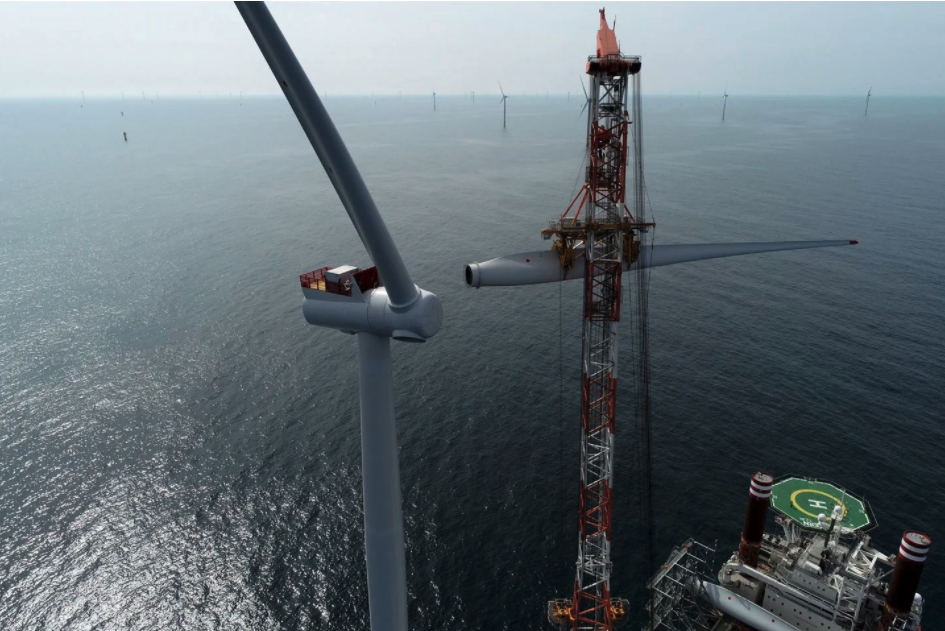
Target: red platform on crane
pixel 608 59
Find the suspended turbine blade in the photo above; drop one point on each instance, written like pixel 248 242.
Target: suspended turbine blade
pixel 500 89
pixel 332 152
pixel 742 609
pixel 543 266
pixel 586 97
pixel 660 255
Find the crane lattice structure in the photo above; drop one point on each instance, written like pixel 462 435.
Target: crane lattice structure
pixel 611 236
pixel 608 236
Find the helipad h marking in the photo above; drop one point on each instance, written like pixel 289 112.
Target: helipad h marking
pixel 809 514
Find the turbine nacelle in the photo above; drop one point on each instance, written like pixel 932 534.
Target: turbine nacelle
pixel 372 312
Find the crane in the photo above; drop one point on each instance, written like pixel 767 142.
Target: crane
pixel 609 238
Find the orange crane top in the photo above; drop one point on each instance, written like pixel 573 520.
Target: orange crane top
pixel 606 39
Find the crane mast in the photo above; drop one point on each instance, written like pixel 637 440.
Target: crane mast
pixel 611 236
pixel 608 236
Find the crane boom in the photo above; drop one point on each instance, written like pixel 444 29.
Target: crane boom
pixel 608 234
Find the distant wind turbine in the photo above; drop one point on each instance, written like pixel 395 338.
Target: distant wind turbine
pixel 474 97
pixel 241 99
pixel 868 101
pixel 724 103
pixel 587 98
pixel 83 101
pixel 502 101
pixel 434 98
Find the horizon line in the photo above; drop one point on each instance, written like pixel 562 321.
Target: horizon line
pixel 189 96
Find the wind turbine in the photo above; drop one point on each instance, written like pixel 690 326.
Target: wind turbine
pixel 473 97
pixel 377 304
pixel 434 98
pixel 587 98
pixel 502 101
pixel 83 100
pixel 724 103
pixel 868 94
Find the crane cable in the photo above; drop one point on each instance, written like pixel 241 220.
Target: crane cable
pixel 561 424
pixel 642 414
pixel 564 523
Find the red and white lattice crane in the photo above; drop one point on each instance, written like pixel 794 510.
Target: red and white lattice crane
pixel 611 236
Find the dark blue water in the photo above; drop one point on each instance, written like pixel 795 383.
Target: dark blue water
pixel 178 449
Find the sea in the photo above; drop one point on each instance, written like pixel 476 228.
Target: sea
pixel 180 450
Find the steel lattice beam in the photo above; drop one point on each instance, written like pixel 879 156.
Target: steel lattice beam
pixel 604 245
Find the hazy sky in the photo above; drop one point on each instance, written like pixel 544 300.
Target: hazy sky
pixel 52 49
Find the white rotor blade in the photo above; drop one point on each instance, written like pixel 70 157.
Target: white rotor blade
pixel 543 266
pixel 331 151
pixel 660 255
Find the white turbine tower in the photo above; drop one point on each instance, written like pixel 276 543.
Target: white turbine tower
pixel 502 101
pixel 376 304
pixel 434 98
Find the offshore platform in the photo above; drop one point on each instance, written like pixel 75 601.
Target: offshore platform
pixel 820 573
